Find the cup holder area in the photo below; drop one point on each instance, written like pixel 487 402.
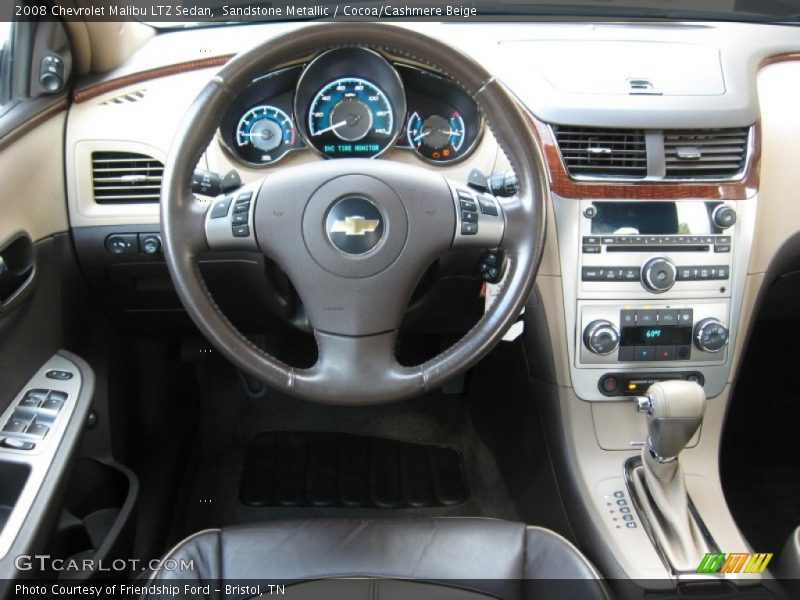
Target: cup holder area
pixel 14 477
pixel 95 521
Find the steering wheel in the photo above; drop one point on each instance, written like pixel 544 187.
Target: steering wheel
pixel 396 220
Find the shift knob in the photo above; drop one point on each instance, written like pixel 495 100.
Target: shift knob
pixel 675 411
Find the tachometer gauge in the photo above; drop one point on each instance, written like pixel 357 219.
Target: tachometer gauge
pixel 264 134
pixel 350 117
pixel 435 137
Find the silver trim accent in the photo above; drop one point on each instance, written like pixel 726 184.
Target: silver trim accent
pixel 630 467
pixel 700 329
pixel 399 117
pixel 656 164
pixel 647 270
pixel 596 327
pixel 41 457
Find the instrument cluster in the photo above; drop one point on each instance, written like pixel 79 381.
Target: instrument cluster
pixel 351 103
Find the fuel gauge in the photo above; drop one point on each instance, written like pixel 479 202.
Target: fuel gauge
pixel 437 138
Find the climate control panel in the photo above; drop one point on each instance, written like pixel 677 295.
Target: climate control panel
pixel 668 333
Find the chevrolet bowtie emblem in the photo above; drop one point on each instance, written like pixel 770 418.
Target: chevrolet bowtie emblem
pixel 355 226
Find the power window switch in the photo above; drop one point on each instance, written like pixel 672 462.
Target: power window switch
pixel 38 430
pixel 52 404
pixel 15 426
pixel 61 396
pixel 15 444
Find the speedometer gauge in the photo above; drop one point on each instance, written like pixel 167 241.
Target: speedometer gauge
pixel 350 117
pixel 435 137
pixel 264 134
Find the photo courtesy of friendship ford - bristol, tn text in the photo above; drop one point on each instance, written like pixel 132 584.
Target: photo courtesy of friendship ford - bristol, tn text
pixel 400 299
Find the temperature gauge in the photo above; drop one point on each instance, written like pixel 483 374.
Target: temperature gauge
pixel 437 138
pixel 264 134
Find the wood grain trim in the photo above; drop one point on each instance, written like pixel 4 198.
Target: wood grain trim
pixel 33 122
pixel 110 85
pixel 779 58
pixel 567 187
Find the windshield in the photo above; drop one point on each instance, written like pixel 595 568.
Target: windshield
pixel 209 12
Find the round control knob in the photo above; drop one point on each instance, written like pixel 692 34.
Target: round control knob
pixel 724 216
pixel 601 337
pixel 151 244
pixel 710 335
pixel 658 274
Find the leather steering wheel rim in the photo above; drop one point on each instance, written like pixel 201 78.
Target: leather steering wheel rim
pixel 349 371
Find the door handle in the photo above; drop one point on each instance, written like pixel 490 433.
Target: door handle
pixel 17 270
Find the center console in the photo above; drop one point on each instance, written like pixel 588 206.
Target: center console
pixel 652 290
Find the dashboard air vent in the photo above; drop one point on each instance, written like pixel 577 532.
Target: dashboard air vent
pixel 125 178
pixel 127 98
pixel 705 153
pixel 595 152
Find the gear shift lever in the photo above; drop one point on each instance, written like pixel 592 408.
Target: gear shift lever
pixel 674 413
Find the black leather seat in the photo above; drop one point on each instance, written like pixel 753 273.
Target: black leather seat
pixel 428 558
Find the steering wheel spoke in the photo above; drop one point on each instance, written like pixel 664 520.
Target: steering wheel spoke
pixel 229 220
pixel 352 368
pixel 480 219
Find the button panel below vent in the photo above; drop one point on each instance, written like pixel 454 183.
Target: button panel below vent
pixel 594 152
pixel 705 153
pixel 126 177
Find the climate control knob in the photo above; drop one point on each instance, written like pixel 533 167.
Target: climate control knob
pixel 601 337
pixel 659 274
pixel 710 335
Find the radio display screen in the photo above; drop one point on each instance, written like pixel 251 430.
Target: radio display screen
pixel 656 336
pixel 654 218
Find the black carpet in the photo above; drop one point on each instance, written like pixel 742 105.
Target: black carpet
pixel 231 419
pixel 346 470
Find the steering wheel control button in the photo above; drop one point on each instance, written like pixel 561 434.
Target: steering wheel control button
pixel 488 207
pixel 221 207
pixel 15 444
pixel 468 205
pixel 123 243
pixel 469 217
pixel 242 203
pixel 240 231
pixel 58 374
pixel 469 228
pixel 354 225
pixel 239 218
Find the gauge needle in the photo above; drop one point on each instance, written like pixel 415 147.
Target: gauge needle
pixel 423 134
pixel 331 128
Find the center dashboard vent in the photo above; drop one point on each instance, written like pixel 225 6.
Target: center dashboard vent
pixel 126 178
pixel 709 153
pixel 594 152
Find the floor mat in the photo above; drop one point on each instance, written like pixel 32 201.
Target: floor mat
pixel 291 469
